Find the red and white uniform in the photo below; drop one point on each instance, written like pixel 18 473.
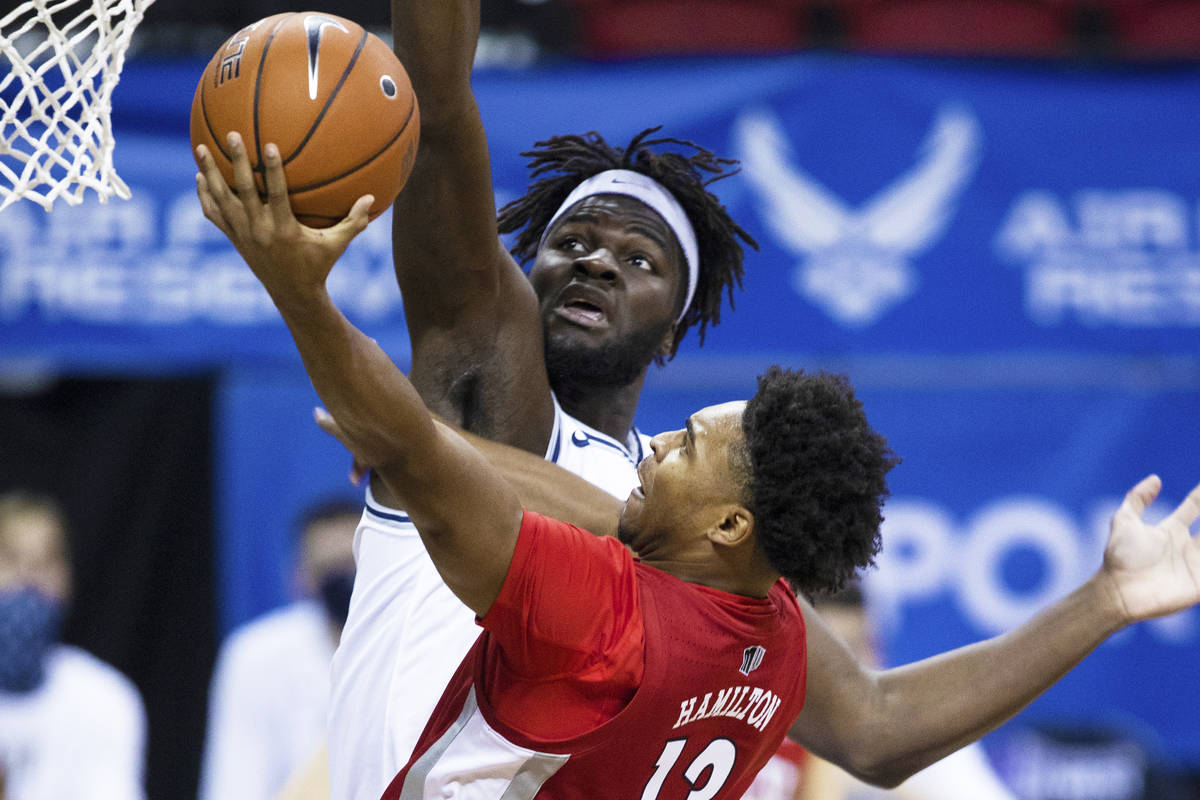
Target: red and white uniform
pixel 407 632
pixel 599 676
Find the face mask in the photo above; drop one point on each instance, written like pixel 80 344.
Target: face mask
pixel 335 590
pixel 29 626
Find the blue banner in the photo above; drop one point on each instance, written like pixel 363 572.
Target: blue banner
pixel 910 205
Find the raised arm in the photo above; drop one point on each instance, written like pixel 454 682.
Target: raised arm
pixel 467 514
pixel 444 228
pixel 883 726
pixel 472 316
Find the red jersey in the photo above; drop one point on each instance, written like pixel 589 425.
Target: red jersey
pixel 649 686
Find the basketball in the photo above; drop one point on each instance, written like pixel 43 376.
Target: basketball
pixel 332 96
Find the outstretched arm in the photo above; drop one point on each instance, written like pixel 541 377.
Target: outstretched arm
pixel 467 514
pixel 542 485
pixel 444 228
pixel 472 315
pixel 886 725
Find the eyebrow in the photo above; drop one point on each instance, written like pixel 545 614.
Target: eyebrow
pixel 640 228
pixel 649 233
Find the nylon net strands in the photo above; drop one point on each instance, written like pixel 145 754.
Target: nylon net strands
pixel 59 63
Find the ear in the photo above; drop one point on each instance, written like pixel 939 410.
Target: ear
pixel 735 527
pixel 664 348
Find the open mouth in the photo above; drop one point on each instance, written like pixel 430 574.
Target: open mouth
pixel 582 312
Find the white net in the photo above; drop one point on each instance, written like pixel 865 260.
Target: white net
pixel 59 63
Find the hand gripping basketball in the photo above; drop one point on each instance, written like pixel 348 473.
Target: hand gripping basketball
pixel 332 96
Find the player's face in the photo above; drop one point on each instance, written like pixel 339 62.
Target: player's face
pixel 688 475
pixel 609 281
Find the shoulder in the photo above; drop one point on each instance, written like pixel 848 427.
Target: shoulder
pixel 96 688
pixel 546 536
pixel 300 624
pixel 297 617
pixel 552 557
pixel 541 532
pixel 596 457
pixel 785 600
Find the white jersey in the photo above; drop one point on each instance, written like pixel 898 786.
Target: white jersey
pixel 82 733
pixel 407 633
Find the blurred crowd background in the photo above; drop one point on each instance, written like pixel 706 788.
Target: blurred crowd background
pixel 521 30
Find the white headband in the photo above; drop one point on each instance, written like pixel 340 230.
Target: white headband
pixel 652 193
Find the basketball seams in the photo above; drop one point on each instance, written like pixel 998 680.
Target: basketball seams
pixel 212 134
pixel 259 166
pixel 312 186
pixel 362 41
pixel 264 104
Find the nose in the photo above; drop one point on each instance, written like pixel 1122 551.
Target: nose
pixel 663 443
pixel 599 264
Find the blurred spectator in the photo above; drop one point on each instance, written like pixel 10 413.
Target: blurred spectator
pixel 793 774
pixel 964 773
pixel 270 689
pixel 70 725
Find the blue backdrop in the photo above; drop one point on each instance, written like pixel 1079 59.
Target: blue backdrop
pixel 1004 258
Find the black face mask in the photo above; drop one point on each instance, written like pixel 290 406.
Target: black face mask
pixel 335 590
pixel 29 626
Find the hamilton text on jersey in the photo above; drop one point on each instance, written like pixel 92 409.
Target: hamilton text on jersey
pixel 753 705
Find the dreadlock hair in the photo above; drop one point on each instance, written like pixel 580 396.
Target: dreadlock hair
pixel 567 161
pixel 817 478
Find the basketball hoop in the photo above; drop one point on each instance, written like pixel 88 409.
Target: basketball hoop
pixel 59 63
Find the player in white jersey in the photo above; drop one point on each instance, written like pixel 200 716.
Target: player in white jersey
pixel 407 632
pixel 630 251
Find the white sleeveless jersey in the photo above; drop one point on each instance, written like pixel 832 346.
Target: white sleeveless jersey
pixel 407 633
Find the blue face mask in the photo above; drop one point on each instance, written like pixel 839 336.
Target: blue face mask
pixel 335 590
pixel 29 627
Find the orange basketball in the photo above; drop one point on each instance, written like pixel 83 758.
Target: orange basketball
pixel 334 99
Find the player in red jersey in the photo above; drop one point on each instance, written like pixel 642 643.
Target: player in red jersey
pixel 599 676
pixel 590 659
pixel 788 484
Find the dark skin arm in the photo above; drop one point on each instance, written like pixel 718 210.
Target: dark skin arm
pixel 542 486
pixel 893 723
pixel 916 714
pixel 472 315
pixel 467 514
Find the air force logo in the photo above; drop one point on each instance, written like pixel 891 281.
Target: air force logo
pixel 752 658
pixel 855 262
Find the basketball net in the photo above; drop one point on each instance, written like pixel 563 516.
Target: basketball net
pixel 59 63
